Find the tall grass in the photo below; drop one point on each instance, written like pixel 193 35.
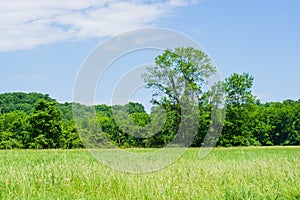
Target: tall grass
pixel 233 173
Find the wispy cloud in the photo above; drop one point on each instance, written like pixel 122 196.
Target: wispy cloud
pixel 25 24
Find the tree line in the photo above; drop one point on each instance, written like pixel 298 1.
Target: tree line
pixel 49 124
pixel 37 121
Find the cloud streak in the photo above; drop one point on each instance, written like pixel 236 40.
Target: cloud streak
pixel 25 24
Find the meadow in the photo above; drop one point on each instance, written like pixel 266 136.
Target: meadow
pixel 226 173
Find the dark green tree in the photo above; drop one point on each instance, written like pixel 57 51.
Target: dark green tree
pixel 239 104
pixel 14 130
pixel 69 137
pixel 45 122
pixel 21 101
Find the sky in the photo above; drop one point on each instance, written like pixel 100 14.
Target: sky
pixel 43 44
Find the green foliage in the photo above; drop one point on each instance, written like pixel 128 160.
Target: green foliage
pixel 69 138
pixel 178 72
pixel 104 109
pixel 239 106
pixel 178 78
pixel 238 89
pixel 20 101
pixel 45 125
pixel 13 130
pixel 248 122
pixel 35 120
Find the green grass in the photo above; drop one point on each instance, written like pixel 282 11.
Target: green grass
pixel 233 173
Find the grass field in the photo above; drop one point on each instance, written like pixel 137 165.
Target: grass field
pixel 233 173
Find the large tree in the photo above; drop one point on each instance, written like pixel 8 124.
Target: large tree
pixel 45 122
pixel 240 105
pixel 177 72
pixel 178 78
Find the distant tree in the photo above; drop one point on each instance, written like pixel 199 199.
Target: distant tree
pixel 240 103
pixel 45 122
pixel 110 128
pixel 66 110
pixel 135 108
pixel 14 130
pixel 69 138
pixel 238 88
pixel 21 101
pixel 104 110
pixel 140 119
pixel 260 125
pixel 283 120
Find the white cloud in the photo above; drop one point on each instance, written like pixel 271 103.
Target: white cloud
pixel 25 24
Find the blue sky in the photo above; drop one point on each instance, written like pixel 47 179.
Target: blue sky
pixel 43 44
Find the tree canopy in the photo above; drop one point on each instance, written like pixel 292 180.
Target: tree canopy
pixel 34 120
pixel 177 73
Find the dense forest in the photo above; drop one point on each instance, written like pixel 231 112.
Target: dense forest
pixel 37 121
